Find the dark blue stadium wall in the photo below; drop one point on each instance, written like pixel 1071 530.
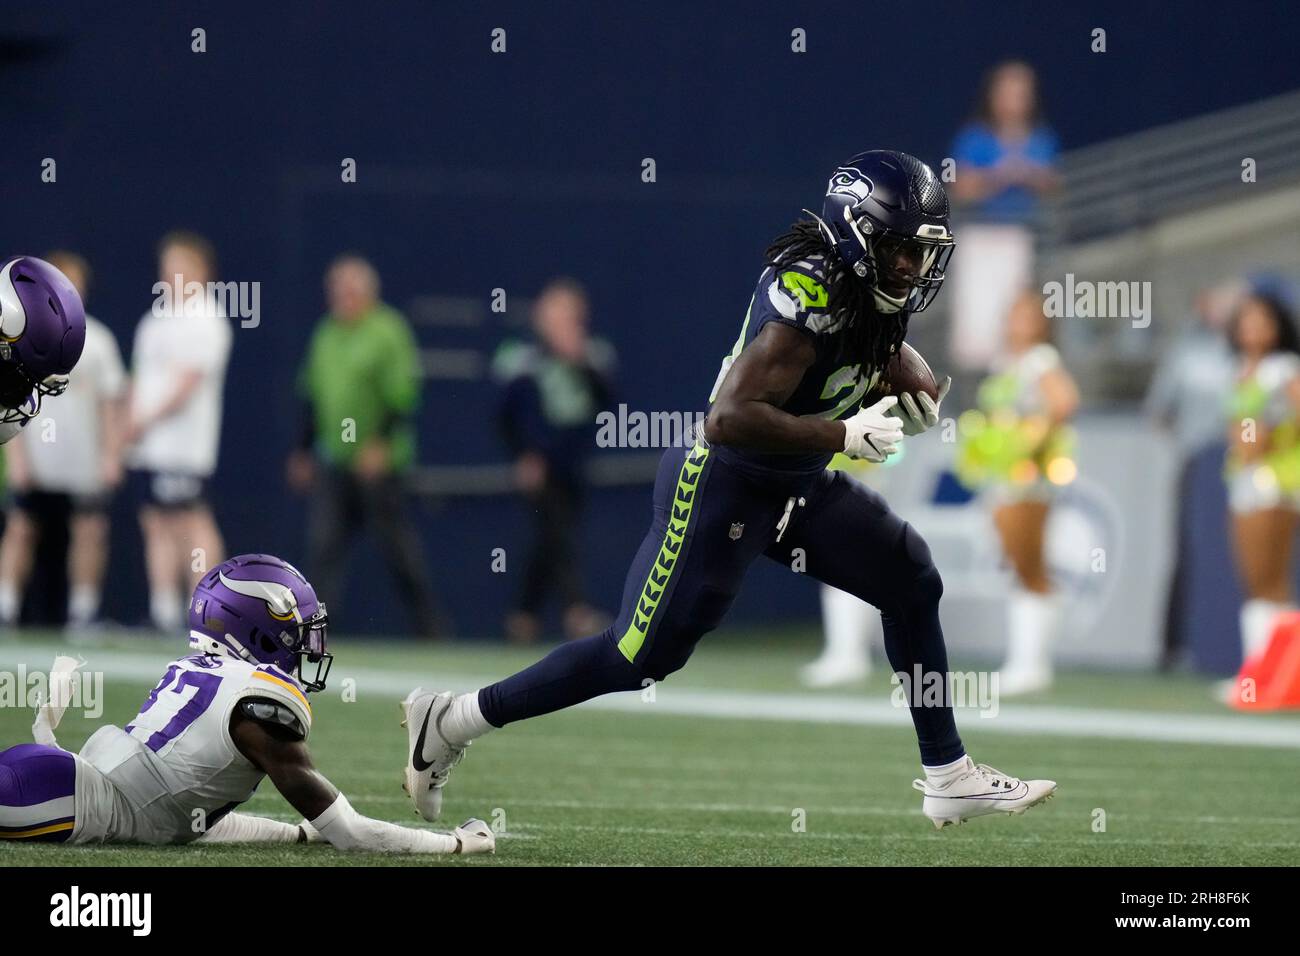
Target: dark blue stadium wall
pixel 481 170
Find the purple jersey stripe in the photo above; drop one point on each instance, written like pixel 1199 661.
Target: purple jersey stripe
pixel 38 826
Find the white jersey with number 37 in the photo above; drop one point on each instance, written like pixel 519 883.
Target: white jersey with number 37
pixel 174 770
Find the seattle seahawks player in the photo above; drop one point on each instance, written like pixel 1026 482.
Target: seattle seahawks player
pixel 830 309
pixel 42 332
pixel 219 721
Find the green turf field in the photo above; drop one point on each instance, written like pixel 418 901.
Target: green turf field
pixel 704 775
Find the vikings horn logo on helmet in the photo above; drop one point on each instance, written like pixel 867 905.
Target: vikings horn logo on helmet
pixel 13 317
pixel 279 599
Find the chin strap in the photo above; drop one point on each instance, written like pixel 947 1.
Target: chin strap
pixel 887 303
pixel 210 645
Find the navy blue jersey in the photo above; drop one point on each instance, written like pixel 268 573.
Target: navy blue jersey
pixel 796 295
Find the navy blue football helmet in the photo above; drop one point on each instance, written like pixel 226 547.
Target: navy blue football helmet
pixel 881 202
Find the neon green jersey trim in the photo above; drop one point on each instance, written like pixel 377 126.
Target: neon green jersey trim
pixel 661 571
pixel 810 293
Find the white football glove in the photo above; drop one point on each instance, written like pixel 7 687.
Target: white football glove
pixel 309 833
pixel 920 412
pixel 873 433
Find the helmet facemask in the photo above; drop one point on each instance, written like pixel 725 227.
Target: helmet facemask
pixel 19 400
pixel 20 397
pixel 311 649
pixel 895 290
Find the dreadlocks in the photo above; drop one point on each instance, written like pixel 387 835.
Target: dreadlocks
pixel 871 337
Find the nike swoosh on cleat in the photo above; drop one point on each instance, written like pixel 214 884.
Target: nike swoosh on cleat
pixel 417 758
pixel 991 795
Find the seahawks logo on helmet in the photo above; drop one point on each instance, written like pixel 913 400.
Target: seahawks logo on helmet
pixel 847 181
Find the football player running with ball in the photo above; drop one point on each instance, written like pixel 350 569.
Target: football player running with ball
pixel 830 310
pixel 219 721
pixel 42 333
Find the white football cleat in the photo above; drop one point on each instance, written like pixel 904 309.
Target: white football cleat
pixel 978 791
pixel 475 836
pixel 430 756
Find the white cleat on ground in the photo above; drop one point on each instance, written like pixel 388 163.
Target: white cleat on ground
pixel 430 757
pixel 979 791
pixel 475 836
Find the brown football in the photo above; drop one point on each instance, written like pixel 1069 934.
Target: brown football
pixel 907 372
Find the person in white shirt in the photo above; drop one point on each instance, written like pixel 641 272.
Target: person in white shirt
pixel 179 360
pixel 67 462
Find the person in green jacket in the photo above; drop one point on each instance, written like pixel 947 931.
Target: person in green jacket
pixel 360 383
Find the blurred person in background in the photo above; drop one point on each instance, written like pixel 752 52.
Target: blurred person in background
pixel 1005 157
pixel 1263 464
pixel 552 390
pixel 66 465
pixel 1188 392
pixel 1018 445
pixel 178 374
pixel 360 384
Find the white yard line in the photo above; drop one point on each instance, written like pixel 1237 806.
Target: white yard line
pixel 1014 718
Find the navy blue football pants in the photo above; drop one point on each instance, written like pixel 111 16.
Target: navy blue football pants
pixel 711 522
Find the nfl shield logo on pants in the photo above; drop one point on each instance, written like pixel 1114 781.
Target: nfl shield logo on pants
pixel 737 529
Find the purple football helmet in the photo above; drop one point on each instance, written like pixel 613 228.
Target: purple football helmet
pixel 261 609
pixel 42 333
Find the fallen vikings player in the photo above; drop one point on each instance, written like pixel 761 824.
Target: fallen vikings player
pixel 42 333
pixel 830 310
pixel 219 721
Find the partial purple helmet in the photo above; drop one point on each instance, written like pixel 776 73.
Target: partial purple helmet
pixel 42 333
pixel 261 609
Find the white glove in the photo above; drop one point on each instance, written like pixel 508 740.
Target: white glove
pixel 920 412
pixel 475 836
pixel 873 433
pixel 309 833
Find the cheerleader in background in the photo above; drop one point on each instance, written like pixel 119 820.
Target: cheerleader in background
pixel 1263 463
pixel 1018 445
